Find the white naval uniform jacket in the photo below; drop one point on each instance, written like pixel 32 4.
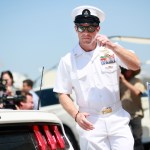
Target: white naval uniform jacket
pixel 94 76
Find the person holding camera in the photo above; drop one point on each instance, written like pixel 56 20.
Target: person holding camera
pixel 26 103
pixel 7 76
pixel 6 86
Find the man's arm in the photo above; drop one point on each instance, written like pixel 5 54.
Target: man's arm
pixel 68 104
pixel 79 117
pixel 127 57
pixel 135 90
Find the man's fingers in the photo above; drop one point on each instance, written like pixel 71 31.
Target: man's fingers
pixel 83 122
pixel 87 125
pixel 102 40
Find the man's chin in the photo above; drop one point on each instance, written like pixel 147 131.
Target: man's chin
pixel 87 42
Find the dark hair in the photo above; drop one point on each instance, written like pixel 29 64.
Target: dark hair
pixel 134 72
pixel 24 97
pixel 28 82
pixel 25 94
pixel 9 73
pixel 123 70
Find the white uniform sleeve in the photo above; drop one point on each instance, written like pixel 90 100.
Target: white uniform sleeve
pixel 119 61
pixel 63 80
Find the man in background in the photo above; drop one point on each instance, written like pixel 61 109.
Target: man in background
pixel 28 87
pixel 26 103
pixel 131 89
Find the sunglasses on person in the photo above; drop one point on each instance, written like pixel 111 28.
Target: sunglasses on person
pixel 90 28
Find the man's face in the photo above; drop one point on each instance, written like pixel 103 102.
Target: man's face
pixel 25 87
pixel 28 104
pixel 86 33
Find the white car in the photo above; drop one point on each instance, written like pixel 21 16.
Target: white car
pixel 50 103
pixel 31 130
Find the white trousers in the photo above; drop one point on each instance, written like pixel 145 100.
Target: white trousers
pixel 111 132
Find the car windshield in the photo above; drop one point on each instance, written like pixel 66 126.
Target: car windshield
pixel 48 97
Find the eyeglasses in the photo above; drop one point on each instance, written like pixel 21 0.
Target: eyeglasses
pixel 88 28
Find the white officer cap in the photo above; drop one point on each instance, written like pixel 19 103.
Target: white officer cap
pixel 79 14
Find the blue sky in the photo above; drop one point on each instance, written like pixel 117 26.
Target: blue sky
pixel 37 33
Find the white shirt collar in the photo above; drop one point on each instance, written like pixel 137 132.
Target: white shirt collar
pixel 77 50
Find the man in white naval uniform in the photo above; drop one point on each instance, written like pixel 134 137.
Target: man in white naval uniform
pixel 91 69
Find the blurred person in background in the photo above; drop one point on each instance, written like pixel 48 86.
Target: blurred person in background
pixel 26 103
pixel 131 89
pixel 28 87
pixel 8 77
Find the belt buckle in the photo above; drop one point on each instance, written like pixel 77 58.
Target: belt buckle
pixel 106 110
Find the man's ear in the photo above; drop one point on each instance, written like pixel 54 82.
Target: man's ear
pixel 21 103
pixel 75 28
pixel 98 28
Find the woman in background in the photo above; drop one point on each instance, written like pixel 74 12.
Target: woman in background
pixel 8 77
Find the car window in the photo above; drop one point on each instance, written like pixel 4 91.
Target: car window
pixel 18 138
pixel 48 97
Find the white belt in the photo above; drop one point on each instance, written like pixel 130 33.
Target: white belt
pixel 102 111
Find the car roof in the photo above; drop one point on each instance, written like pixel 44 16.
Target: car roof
pixel 42 88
